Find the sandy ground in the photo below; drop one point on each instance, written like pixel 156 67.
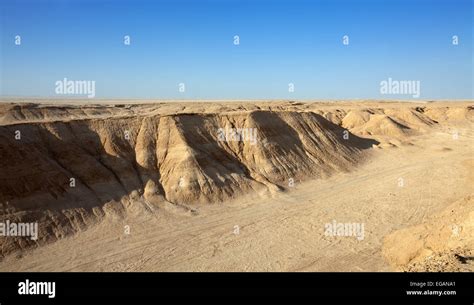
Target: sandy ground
pixel 282 231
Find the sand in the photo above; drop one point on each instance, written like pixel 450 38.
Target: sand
pixel 157 190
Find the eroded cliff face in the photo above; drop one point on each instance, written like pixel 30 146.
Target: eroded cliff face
pixel 70 169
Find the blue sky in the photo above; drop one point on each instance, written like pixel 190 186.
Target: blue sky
pixel 281 42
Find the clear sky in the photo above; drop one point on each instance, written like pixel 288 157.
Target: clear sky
pixel 281 42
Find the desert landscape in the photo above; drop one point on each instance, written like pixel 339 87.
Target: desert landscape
pixel 124 185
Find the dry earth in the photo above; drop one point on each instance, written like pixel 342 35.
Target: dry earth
pixel 156 188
